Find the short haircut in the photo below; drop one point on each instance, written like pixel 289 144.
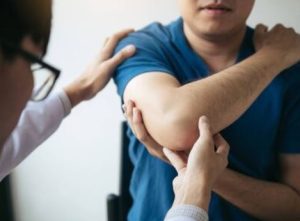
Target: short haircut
pixel 19 18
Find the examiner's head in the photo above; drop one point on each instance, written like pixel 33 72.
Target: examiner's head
pixel 214 18
pixel 24 34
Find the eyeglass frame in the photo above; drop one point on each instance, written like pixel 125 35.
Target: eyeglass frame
pixel 35 59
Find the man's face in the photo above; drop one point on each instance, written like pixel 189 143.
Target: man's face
pixel 215 18
pixel 16 85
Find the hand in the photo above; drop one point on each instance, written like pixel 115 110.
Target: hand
pixel 99 72
pixel 281 42
pixel 198 173
pixel 135 120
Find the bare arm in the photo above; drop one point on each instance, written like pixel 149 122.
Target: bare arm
pixel 171 111
pixel 40 120
pixel 99 72
pixel 265 200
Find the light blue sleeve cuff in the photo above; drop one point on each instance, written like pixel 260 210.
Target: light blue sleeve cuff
pixel 63 97
pixel 186 212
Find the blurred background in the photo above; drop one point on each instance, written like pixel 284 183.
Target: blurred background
pixel 69 177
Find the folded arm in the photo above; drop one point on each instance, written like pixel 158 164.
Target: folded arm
pixel 170 111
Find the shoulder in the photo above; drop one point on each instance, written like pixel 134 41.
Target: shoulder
pixel 154 36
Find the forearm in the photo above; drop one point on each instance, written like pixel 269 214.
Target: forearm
pixel 193 194
pixel 223 97
pixel 78 91
pixel 191 202
pixel 264 200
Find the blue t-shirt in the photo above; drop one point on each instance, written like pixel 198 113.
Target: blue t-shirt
pixel 269 127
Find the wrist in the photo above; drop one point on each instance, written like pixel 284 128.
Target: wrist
pixel 194 194
pixel 74 94
pixel 275 59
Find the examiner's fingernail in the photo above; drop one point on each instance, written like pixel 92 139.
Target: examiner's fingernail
pixel 204 119
pixel 130 48
pixel 166 150
pixel 124 108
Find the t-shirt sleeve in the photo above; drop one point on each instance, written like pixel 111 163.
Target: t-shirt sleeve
pixel 150 57
pixel 289 134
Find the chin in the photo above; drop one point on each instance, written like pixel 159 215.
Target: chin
pixel 216 31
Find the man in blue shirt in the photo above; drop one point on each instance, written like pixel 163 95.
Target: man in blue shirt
pixel 185 70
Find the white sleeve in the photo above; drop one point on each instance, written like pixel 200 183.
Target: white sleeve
pixel 38 121
pixel 186 213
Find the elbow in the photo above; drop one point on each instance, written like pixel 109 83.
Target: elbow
pixel 179 130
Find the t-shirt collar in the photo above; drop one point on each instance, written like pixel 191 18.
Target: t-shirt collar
pixel 194 60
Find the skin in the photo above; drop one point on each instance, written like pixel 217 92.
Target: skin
pixel 16 80
pixel 165 105
pixel 209 32
pixel 198 173
pixel 199 170
pixel 223 97
pixel 16 85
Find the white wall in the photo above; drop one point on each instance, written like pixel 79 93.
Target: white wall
pixel 271 12
pixel 68 178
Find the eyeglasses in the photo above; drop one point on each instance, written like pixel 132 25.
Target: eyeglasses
pixel 44 75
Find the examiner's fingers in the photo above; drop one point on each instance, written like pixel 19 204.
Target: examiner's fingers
pixel 129 114
pixel 108 67
pixel 112 42
pixel 142 135
pixel 175 159
pixel 122 55
pixel 221 145
pixel 140 130
pixel 204 127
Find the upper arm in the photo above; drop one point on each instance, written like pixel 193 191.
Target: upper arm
pixel 150 81
pixel 290 167
pixel 156 94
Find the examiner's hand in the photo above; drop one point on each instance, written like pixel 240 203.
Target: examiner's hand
pixel 99 72
pixel 198 173
pixel 280 41
pixel 135 120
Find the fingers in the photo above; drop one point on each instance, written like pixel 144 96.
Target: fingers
pixel 222 147
pixel 141 132
pixel 108 63
pixel 142 135
pixel 122 55
pixel 175 159
pixel 112 42
pixel 261 28
pixel 260 31
pixel 205 139
pixel 204 128
pixel 129 114
pixel 135 120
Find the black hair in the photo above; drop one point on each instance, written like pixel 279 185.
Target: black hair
pixel 19 18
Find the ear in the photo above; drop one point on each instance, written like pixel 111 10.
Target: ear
pixel 28 44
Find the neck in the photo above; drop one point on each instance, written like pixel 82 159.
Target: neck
pixel 218 51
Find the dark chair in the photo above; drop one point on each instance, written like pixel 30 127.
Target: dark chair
pixel 6 209
pixel 119 205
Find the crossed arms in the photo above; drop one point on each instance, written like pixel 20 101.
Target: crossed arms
pixel 171 113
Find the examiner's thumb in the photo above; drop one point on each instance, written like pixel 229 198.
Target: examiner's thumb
pixel 204 127
pixel 222 147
